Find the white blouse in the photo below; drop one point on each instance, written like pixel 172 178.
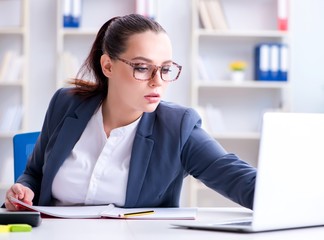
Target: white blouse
pixel 96 172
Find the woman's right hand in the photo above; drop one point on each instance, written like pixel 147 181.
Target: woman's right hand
pixel 20 192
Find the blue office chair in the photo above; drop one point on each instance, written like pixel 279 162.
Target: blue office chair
pixel 23 145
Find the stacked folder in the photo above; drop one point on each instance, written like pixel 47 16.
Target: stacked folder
pixel 71 13
pixel 271 62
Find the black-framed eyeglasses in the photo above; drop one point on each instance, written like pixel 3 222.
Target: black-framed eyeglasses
pixel 144 71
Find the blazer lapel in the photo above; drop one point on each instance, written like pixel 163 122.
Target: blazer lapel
pixel 67 137
pixel 141 154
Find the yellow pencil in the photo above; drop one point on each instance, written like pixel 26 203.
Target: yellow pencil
pixel 135 214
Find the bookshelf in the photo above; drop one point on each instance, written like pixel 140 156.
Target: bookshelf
pixel 14 55
pixel 73 44
pixel 239 104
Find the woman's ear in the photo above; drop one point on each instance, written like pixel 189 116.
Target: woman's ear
pixel 106 65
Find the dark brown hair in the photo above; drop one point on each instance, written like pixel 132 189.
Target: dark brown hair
pixel 111 39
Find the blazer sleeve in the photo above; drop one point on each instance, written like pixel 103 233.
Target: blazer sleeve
pixel 33 174
pixel 205 159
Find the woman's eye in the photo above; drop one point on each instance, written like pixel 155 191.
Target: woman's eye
pixel 165 70
pixel 141 68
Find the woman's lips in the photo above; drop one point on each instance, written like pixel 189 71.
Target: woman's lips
pixel 152 98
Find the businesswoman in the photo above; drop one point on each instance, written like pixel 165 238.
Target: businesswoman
pixel 111 139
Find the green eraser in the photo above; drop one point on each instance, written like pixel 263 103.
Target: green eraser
pixel 20 227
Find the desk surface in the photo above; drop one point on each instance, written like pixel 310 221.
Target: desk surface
pixel 53 228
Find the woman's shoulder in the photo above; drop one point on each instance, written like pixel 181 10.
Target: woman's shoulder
pixel 173 110
pixel 64 93
pixel 65 101
pixel 173 107
pixel 67 97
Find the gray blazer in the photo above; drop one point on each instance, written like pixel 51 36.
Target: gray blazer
pixel 169 144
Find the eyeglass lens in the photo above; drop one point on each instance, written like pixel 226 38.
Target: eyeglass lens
pixel 146 72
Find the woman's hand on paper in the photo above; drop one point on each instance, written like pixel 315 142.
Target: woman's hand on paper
pixel 20 192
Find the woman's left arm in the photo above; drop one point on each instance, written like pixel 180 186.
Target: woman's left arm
pixel 205 159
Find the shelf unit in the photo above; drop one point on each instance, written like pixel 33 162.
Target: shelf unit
pixel 14 38
pixel 240 104
pixel 73 44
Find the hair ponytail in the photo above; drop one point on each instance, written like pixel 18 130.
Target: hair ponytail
pixel 91 68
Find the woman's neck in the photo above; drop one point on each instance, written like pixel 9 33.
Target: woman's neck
pixel 117 116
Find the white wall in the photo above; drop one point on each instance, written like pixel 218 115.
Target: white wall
pixel 307 54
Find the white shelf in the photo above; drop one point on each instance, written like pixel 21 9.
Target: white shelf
pixel 14 37
pixel 232 111
pixel 78 31
pixel 12 84
pixel 12 30
pixel 8 135
pixel 250 84
pixel 241 33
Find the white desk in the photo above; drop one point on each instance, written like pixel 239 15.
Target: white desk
pixel 94 229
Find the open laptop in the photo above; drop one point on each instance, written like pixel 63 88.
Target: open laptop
pixel 289 189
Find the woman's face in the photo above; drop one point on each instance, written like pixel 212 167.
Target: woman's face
pixel 131 94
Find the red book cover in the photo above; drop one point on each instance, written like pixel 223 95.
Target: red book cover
pixel 283 7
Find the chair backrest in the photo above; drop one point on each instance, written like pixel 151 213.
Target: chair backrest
pixel 23 145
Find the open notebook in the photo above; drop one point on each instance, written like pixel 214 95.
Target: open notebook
pixel 289 189
pixel 111 211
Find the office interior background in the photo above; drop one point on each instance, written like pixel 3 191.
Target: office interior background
pixel 306 54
